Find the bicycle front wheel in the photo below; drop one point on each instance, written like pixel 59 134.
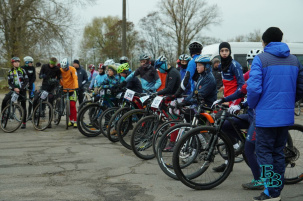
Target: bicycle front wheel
pixel 105 118
pixel 11 117
pixel 194 157
pixel 113 122
pixel 42 116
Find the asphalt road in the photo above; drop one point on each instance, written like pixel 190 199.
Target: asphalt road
pixel 59 164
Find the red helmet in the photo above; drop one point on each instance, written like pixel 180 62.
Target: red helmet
pixel 14 59
pixel 91 66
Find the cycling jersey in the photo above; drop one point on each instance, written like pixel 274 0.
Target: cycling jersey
pixel 69 78
pixel 17 78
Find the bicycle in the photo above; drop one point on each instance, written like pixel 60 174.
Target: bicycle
pixel 298 108
pixel 62 105
pixel 40 112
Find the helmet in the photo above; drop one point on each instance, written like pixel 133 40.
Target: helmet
pixel 113 67
pixel 91 66
pixel 15 59
pixel 252 53
pixel 184 57
pixel 144 57
pixel 64 63
pixel 101 66
pixel 123 60
pixel 203 59
pixel 123 67
pixel 195 45
pixel 28 60
pixel 160 61
pixel 109 62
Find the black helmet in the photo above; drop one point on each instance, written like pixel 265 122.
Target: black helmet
pixel 195 47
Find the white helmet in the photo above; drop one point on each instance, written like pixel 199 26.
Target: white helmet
pixel 64 63
pixel 28 59
pixel 109 62
pixel 252 53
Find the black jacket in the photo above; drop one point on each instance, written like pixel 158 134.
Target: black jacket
pixel 135 85
pixel 172 83
pixel 48 73
pixel 82 77
pixel 31 73
pixel 218 77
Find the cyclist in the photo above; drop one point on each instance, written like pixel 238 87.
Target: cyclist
pixel 82 79
pixel 17 81
pixel 92 75
pixel 100 77
pixel 123 60
pixel 51 75
pixel 148 75
pixel 112 80
pixel 275 83
pixel 108 62
pixel 184 60
pixel 173 78
pixel 133 84
pixel 70 80
pixel 31 73
pixel 205 88
pixel 246 123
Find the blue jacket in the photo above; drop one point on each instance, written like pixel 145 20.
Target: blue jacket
pixel 188 87
pixel 207 88
pixel 99 79
pixel 191 68
pixel 275 79
pixel 92 79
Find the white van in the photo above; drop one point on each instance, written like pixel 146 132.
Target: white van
pixel 239 51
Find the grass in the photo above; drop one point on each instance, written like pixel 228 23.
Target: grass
pixel 4 86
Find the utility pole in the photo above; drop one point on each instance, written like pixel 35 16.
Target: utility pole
pixel 124 29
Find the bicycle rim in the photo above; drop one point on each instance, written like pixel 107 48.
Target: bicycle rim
pixel 11 117
pixel 42 118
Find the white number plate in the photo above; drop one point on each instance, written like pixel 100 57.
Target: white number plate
pixel 44 95
pixel 156 102
pixel 129 95
pixel 144 98
pixel 15 97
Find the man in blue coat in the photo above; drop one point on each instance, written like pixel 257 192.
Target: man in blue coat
pixel 274 85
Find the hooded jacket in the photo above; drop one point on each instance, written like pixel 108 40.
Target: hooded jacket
pixel 82 77
pixel 275 82
pixel 172 83
pixel 206 87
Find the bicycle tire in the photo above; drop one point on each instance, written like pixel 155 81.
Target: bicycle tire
pixel 192 179
pixel 105 118
pixel 67 105
pixel 125 125
pixel 113 122
pixel 83 127
pixel 165 158
pixel 294 146
pixel 5 116
pixel 84 103
pixel 57 113
pixel 36 122
pixel 141 140
pixel 29 113
pixel 160 131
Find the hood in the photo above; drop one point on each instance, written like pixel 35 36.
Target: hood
pixel 277 49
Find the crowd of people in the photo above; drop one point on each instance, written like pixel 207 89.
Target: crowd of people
pixel 272 85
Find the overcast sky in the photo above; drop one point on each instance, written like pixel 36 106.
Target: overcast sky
pixel 238 16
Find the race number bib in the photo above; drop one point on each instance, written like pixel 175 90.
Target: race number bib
pixel 129 95
pixel 14 97
pixel 144 98
pixel 44 95
pixel 156 102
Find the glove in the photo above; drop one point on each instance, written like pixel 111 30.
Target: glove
pixel 170 98
pixel 219 101
pixel 233 109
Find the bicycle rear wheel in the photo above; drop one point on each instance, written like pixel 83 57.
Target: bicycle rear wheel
pixel 294 146
pixel 196 172
pixel 126 125
pixel 11 117
pixel 42 116
pixel 105 118
pixel 113 123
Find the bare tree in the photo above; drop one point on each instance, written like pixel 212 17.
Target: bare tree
pixel 255 36
pixel 186 19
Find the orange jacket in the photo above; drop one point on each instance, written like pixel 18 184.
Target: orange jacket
pixel 162 77
pixel 69 78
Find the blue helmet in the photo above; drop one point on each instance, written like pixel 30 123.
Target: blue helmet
pixel 204 60
pixel 184 57
pixel 161 63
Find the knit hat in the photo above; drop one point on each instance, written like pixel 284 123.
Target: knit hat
pixel 225 45
pixel 113 68
pixel 272 34
pixel 76 62
pixel 215 60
